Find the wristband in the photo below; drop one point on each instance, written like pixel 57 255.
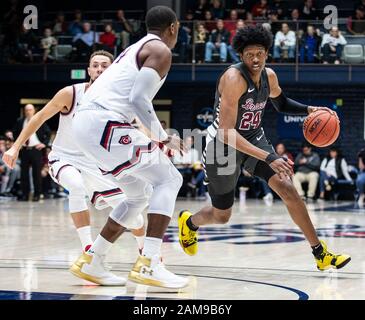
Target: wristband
pixel 271 157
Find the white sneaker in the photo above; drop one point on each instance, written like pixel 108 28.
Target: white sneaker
pixel 91 268
pixel 268 197
pixel 152 272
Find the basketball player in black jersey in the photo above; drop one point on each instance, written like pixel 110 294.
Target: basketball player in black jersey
pixel 237 138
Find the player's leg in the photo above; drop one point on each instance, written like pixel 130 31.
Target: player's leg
pixel 70 178
pixel 221 188
pixel 103 192
pixel 138 230
pixel 299 213
pixel 166 181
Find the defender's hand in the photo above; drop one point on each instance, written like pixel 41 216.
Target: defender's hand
pixel 175 143
pixel 11 156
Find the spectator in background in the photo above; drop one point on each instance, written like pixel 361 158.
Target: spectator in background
pixel 60 25
pixel 108 38
pixel 189 166
pixel 333 168
pixel 3 168
pixel 280 6
pixel 26 44
pixel 249 21
pixel 182 44
pixel 201 37
pixel 219 41
pixel 356 24
pixel 280 149
pixel 241 6
pixel 360 180
pixel 309 45
pixel 163 124
pixel 232 53
pixel 275 24
pixel 295 23
pixel 200 9
pixel 231 23
pixel 255 185
pixel 122 27
pixel 9 134
pixel 48 42
pixel 31 154
pixel 308 11
pixel 209 22
pixel 307 164
pixel 332 43
pixel 8 177
pixel 75 27
pixel 84 42
pixel 217 9
pixel 260 9
pixel 284 41
pixel 188 24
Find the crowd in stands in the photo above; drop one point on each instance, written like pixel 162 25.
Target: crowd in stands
pixel 208 25
pixel 79 36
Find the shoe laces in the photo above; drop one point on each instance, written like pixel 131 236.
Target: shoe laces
pixel 328 254
pixel 192 238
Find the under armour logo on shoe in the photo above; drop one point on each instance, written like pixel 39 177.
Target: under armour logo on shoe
pixel 145 270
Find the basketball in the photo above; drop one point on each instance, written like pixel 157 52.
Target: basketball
pixel 321 128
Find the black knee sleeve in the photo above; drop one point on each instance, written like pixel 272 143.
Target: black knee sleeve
pixel 222 201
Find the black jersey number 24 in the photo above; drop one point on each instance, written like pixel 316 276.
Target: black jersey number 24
pixel 250 120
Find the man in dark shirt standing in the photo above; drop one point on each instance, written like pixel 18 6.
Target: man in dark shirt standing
pixel 31 154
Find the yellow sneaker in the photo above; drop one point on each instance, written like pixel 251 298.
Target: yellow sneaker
pixel 188 238
pixel 328 260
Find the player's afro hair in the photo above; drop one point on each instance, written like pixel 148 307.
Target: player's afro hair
pixel 252 35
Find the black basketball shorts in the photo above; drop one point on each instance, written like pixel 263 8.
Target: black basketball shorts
pixel 223 164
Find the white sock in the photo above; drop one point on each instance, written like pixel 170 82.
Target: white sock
pixel 152 246
pixel 101 246
pixel 140 241
pixel 85 236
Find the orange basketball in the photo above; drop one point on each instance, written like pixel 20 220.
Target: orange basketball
pixel 321 128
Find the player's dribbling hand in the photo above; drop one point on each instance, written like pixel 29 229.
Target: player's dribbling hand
pixel 283 168
pixel 314 109
pixel 10 157
pixel 175 143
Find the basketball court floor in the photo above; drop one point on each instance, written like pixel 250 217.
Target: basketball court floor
pixel 260 254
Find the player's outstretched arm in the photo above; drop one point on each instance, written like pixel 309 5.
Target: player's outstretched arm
pixel 155 59
pixel 286 105
pixel 62 100
pixel 231 87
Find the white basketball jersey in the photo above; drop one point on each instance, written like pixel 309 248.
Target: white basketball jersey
pixel 64 141
pixel 113 87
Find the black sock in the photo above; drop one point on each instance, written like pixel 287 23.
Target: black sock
pixel 317 250
pixel 191 225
